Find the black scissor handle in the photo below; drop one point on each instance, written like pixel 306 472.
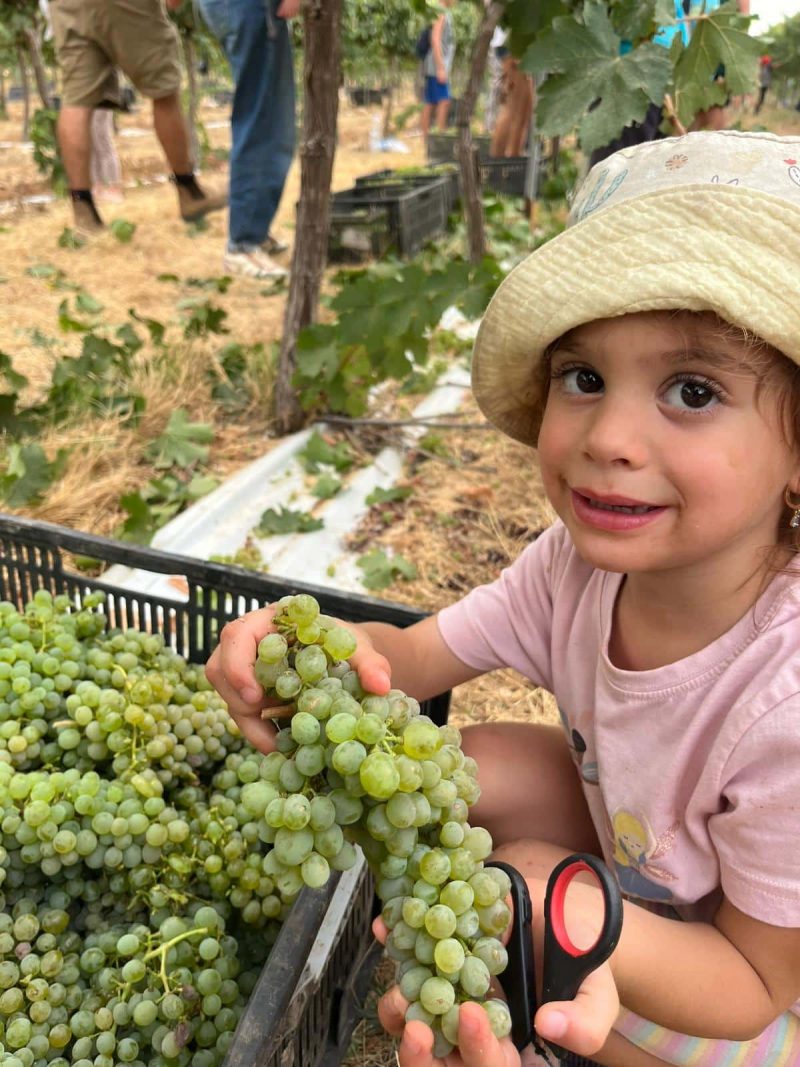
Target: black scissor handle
pixel 566 965
pixel 518 979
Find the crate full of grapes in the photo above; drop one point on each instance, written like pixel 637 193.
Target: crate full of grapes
pixel 149 915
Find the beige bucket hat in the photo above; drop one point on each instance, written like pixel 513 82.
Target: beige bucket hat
pixel 709 222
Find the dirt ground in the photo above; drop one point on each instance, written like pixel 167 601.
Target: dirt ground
pixel 121 277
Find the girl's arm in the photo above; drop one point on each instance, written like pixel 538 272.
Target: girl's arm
pixel 727 980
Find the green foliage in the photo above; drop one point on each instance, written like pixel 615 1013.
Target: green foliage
pixel 381 570
pixel 203 318
pixel 68 238
pixel 319 453
pixel 388 496
pixel 29 473
pixel 46 155
pixel 285 521
pixel 159 501
pixel 326 486
pixel 592 87
pixel 183 443
pixel 123 230
pixel 384 316
pixel 719 40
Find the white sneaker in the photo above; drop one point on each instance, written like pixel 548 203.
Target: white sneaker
pixel 253 264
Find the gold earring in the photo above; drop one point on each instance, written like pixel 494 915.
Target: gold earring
pixel 794 507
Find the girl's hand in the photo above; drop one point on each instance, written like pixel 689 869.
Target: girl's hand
pixel 478 1047
pixel 231 670
pixel 581 1025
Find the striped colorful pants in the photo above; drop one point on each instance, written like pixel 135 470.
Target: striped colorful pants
pixel 778 1046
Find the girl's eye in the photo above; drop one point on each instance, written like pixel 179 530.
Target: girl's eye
pixel 578 380
pixel 692 394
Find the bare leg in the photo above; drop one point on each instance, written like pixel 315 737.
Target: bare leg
pixel 75 142
pixel 171 131
pixel 442 111
pixel 425 120
pixel 529 786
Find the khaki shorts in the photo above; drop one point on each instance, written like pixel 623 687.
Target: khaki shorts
pixel 93 38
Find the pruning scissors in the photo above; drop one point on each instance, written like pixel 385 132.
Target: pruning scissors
pixel 565 966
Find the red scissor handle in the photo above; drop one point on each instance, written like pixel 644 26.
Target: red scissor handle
pixel 566 965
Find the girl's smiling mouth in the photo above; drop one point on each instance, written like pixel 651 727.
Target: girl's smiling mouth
pixel 612 512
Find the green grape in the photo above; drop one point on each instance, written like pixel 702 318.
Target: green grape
pixel 311 664
pixel 349 756
pixel 499 1017
pixel 421 739
pixel 412 981
pixel 440 922
pixel 339 643
pixel 341 727
pixel 272 648
pixel 416 1013
pixel 435 867
pixel 458 896
pixel 315 870
pixel 492 952
pixel 475 977
pixel 293 846
pixel 437 996
pixel 379 775
pixel 288 684
pixel 449 954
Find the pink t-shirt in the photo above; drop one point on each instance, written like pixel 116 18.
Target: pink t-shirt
pixel 691 771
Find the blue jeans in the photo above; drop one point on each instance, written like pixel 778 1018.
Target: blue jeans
pixel 259 50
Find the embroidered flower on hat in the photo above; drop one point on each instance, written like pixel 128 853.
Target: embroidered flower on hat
pixel 676 162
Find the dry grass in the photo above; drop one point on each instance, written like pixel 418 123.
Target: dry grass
pixel 107 455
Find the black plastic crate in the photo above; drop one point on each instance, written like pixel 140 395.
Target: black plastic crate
pixel 363 96
pixel 306 1002
pixel 448 171
pixel 505 176
pixel 443 147
pixel 358 232
pixel 416 213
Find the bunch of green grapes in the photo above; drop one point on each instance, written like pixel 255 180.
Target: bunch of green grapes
pixel 357 767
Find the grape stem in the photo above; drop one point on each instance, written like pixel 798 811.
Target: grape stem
pixel 164 948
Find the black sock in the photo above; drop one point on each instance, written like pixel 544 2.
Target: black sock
pixel 84 196
pixel 189 182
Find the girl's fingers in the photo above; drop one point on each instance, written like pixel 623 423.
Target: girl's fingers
pixel 416 1047
pixel 582 1025
pixel 373 669
pixel 380 930
pixel 232 664
pixel 478 1045
pixel 392 1012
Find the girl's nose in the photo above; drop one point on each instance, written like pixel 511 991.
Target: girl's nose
pixel 614 433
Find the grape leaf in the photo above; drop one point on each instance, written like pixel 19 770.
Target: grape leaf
pixel 29 473
pixel 286 521
pixel 326 486
pixel 319 453
pixel 589 70
pixel 388 496
pixel 381 570
pixel 183 443
pixel 123 230
pixel 718 39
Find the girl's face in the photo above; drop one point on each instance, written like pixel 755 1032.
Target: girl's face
pixel 658 451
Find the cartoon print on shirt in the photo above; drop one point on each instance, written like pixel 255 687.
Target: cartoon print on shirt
pixel 587 768
pixel 635 848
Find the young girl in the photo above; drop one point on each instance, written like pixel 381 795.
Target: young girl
pixel 651 354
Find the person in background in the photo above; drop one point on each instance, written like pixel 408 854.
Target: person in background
pixel 436 67
pixel 92 39
pixel 497 53
pixel 106 169
pixel 764 81
pixel 255 37
pixel 510 134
